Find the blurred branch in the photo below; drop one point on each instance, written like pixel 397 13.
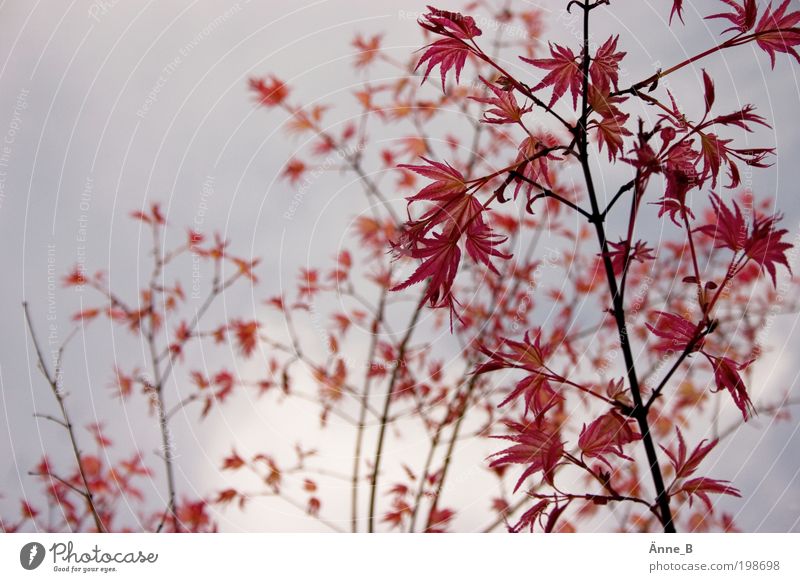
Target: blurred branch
pixel 53 381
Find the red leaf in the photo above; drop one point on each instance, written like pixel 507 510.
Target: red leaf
pixel 604 69
pixel 226 496
pixel 766 248
pixel 270 91
pixel 447 181
pixel 246 336
pixel 481 244
pixel 565 73
pixel 684 465
pixel 537 169
pixel 525 355
pixel 709 94
pixel 607 435
pixel 729 230
pixel 441 259
pixel 702 486
pixel 314 505
pixel 675 332
pixel 540 450
pixel 610 131
pixel 449 23
pixel 778 32
pixel 75 278
pixel 539 395
pixel 726 376
pixel 743 16
pixel 368 49
pixel 530 517
pixel 682 175
pixel 447 53
pixel 233 462
pixel 677 8
pixel 505 108
pixel 439 519
pixel 621 254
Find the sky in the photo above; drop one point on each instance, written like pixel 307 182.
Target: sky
pixel 108 104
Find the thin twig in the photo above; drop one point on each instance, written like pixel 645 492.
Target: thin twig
pixel 53 381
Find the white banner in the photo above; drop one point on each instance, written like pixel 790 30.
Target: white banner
pixel 389 557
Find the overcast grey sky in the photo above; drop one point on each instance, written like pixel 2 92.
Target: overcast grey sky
pixel 106 104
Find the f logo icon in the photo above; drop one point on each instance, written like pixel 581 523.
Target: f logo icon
pixel 31 555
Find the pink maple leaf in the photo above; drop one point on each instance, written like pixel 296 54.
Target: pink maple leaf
pixel 606 435
pixel 447 181
pixel 504 107
pixel 604 69
pixel 449 23
pixel 702 486
pixel 729 229
pixel 447 53
pixel 676 333
pixel 765 246
pixel 777 32
pixel 610 131
pixel 742 17
pixel 727 377
pixel 565 73
pixel 450 52
pixel 686 464
pixel 535 447
pixel 677 8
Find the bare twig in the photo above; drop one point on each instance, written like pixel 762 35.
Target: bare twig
pixel 53 380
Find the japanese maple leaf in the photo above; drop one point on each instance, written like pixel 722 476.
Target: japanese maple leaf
pixel 246 336
pixel 621 254
pixel 368 49
pixel 450 52
pixel 75 278
pixel 607 435
pixel 270 91
pixel 530 517
pixel 702 486
pixel 686 464
pixel 504 107
pixel 565 73
pixel 727 377
pixel 538 394
pixel 682 175
pixel 294 171
pixel 449 23
pixel 742 17
pixel 537 168
pixel 440 259
pixel 447 54
pixel 603 103
pixel 481 244
pixel 744 118
pixel 766 248
pixel 729 229
pixel 447 181
pixel 525 355
pixel 677 8
pixel 676 333
pixel 439 519
pixel 535 447
pixel 715 151
pixel 778 32
pixel 604 69
pixel 610 131
pixel 708 90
